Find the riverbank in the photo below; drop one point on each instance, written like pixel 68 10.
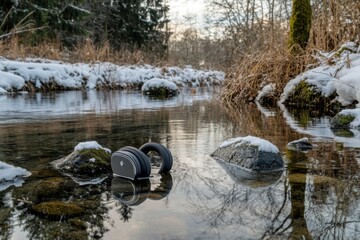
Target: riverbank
pixel 46 75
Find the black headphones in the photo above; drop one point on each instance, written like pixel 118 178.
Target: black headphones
pixel 134 164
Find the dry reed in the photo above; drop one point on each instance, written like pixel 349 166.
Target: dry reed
pixel 276 65
pixel 13 48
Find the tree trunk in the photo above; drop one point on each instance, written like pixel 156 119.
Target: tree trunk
pixel 300 24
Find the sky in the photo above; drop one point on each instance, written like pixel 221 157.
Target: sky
pixel 181 8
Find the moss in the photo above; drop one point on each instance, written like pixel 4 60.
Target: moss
pixel 88 162
pixel 307 96
pixel 341 132
pixel 342 121
pixel 57 209
pixel 42 190
pixel 300 24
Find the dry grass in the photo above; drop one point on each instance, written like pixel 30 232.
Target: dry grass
pixel 88 53
pixel 255 70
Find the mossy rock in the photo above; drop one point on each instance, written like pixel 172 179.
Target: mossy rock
pixel 46 189
pixel 57 209
pixel 342 121
pixel 85 163
pixel 308 96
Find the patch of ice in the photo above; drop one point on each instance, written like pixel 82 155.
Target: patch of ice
pixel 263 144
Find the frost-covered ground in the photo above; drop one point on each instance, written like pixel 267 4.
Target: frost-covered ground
pixel 32 74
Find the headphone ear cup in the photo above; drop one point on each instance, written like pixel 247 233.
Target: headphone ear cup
pixel 125 164
pixel 143 160
pixel 165 154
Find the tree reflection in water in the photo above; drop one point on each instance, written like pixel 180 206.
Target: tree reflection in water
pixel 240 208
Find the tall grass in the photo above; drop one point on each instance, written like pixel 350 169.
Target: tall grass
pixel 14 48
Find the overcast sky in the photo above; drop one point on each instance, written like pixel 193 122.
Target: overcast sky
pixel 181 8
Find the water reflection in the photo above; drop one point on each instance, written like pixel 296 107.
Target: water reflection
pixel 132 193
pixel 317 196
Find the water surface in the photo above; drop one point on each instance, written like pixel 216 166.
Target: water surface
pixel 317 196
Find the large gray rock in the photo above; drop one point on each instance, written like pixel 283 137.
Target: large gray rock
pixel 250 153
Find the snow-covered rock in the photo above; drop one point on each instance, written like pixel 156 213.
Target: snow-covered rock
pixel 349 118
pixel 88 161
pixel 250 153
pixel 302 144
pixel 159 87
pixel 338 73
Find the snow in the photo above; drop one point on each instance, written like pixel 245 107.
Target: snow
pixel 263 144
pixel 336 74
pixel 10 175
pixel 265 92
pixel 41 72
pixel 90 145
pixel 158 83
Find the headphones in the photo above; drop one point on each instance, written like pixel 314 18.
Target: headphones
pixel 134 164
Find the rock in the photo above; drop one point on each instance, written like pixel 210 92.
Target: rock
pixel 345 119
pixel 302 144
pixel 250 153
pixel 45 189
pixel 57 209
pixel 88 159
pixel 159 88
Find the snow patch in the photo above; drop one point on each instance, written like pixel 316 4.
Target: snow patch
pixel 90 145
pixel 263 144
pixel 10 175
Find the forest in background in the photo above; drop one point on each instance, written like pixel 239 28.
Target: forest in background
pixel 248 39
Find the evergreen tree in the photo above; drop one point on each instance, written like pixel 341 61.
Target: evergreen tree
pixel 300 24
pixel 58 19
pixel 134 23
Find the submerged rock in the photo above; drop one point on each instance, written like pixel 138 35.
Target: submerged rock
pixel 88 159
pixel 159 88
pixel 57 209
pixel 250 153
pixel 45 189
pixel 302 144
